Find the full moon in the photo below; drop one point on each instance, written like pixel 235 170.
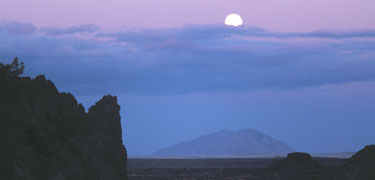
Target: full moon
pixel 233 20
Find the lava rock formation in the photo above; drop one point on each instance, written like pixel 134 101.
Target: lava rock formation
pixel 45 134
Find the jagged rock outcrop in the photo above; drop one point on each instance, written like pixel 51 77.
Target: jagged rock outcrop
pixel 47 135
pixel 360 166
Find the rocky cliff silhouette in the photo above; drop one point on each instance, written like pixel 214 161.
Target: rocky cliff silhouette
pixel 45 134
pixel 360 166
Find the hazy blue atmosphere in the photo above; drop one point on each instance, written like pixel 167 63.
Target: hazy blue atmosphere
pixel 312 90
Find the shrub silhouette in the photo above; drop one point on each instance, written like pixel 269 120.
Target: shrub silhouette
pixel 11 70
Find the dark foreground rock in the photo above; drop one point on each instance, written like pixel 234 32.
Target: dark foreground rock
pixel 296 166
pixel 47 135
pixel 360 166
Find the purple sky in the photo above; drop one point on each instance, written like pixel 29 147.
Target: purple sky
pixel 278 15
pixel 180 73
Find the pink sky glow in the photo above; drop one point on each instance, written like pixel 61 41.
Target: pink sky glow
pixel 277 15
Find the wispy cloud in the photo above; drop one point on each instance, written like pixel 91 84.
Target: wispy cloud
pixel 195 58
pixel 14 27
pixel 84 28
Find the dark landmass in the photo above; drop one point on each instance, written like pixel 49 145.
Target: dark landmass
pixel 296 166
pixel 218 163
pixel 47 135
pixel 227 143
pixel 360 166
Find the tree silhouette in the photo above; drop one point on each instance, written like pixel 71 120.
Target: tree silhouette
pixel 11 70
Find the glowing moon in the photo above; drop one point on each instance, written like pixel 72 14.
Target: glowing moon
pixel 233 20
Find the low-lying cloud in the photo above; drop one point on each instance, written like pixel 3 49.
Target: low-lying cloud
pixel 192 59
pixel 84 28
pixel 14 27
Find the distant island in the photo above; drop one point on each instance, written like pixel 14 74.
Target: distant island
pixel 226 143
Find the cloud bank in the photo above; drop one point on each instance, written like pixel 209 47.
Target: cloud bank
pixel 191 59
pixel 14 27
pixel 84 28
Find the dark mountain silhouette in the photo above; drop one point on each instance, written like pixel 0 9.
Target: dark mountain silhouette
pixel 45 134
pixel 227 143
pixel 360 166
